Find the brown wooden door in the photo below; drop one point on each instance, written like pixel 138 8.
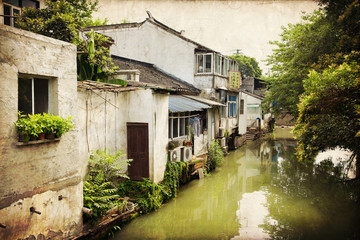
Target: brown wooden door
pixel 138 150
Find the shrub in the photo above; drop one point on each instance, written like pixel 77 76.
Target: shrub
pixel 100 192
pixel 216 155
pixel 111 166
pixel 98 196
pixel 150 196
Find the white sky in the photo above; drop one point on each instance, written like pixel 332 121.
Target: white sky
pixel 224 26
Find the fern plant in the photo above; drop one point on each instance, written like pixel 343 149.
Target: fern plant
pixel 100 192
pixel 98 195
pixel 111 166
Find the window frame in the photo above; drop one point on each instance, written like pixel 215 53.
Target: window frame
pixel 219 65
pixel 232 106
pixel 11 16
pixel 181 125
pixel 51 93
pixel 204 57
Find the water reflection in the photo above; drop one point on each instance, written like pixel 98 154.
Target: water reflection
pixel 310 202
pixel 260 192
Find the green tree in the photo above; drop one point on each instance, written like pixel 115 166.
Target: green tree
pixel 292 59
pixel 326 35
pixel 327 112
pixel 248 66
pixel 66 20
pixel 316 77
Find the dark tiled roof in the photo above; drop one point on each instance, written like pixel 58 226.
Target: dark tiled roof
pixel 154 76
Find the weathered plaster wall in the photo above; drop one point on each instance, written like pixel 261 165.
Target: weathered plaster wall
pixel 204 82
pixel 104 116
pixel 149 43
pixel 243 117
pixel 228 124
pixel 33 176
pixel 200 145
pixel 160 133
pixel 223 25
pixel 253 112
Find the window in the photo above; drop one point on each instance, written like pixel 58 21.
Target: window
pixel 241 106
pixel 234 66
pixel 204 63
pixel 218 64
pixel 12 9
pixel 33 95
pixel 232 105
pixel 225 67
pixel 10 14
pixel 178 123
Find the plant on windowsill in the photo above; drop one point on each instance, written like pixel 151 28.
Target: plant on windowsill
pixel 36 126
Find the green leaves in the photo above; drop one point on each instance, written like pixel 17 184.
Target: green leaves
pixel 216 155
pixel 32 125
pixel 328 114
pixel 100 192
pixel 93 61
pixel 300 47
pixel 66 20
pixel 248 66
pixel 110 166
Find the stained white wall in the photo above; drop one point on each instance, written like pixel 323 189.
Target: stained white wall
pixel 243 117
pixel 149 43
pixel 253 112
pixel 35 175
pixel 104 116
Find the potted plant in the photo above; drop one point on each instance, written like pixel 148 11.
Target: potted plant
pixel 49 126
pixel 62 125
pixel 31 126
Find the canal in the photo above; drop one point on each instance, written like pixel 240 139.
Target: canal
pixel 260 192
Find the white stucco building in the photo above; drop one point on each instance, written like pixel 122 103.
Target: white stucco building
pixel 152 41
pixel 40 182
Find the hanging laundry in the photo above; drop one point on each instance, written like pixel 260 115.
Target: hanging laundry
pixel 195 126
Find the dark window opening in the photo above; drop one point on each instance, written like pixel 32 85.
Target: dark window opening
pixel 33 95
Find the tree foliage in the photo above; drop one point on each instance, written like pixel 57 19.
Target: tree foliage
pixel 66 20
pixel 291 61
pixel 316 77
pixel 62 19
pixel 248 66
pixel 327 111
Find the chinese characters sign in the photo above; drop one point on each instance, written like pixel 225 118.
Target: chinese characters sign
pixel 234 79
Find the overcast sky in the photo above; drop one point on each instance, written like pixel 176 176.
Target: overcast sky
pixel 224 26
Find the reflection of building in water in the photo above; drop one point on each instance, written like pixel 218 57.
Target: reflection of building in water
pixel 251 210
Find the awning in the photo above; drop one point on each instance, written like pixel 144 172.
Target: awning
pixel 183 104
pixel 206 101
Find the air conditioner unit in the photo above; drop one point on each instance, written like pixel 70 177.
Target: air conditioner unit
pixel 175 155
pixel 187 154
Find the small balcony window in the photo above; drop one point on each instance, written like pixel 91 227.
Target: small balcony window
pixel 204 63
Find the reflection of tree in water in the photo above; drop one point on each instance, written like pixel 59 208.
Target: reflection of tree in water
pixel 311 202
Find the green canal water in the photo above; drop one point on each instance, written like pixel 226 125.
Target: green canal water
pixel 260 192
